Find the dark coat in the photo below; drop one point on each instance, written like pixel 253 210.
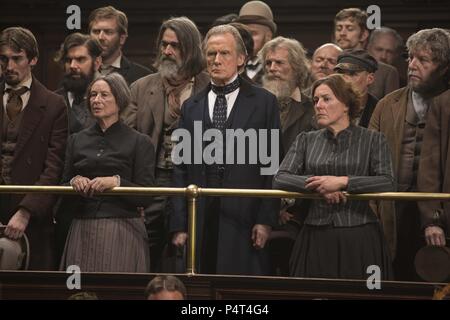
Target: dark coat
pixel 38 160
pixel 119 150
pixel 434 167
pixel 386 81
pixel 75 124
pixel 254 108
pixel 131 71
pixel 300 118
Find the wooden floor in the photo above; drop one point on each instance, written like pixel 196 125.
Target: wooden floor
pixel 52 285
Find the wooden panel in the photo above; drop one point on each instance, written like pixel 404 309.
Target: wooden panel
pixel 52 285
pixel 309 21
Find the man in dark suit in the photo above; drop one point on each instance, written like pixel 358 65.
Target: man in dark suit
pixel 155 108
pixel 110 27
pixel 33 135
pixel 80 57
pixel 232 231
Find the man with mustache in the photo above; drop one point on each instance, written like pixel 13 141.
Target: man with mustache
pixel 402 116
pixel 350 32
pixel 286 71
pixel 156 107
pixel 33 135
pixel 110 27
pixel 80 56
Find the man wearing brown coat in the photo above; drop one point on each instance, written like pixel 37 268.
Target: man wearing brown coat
pixel 434 172
pixel 33 135
pixel 402 116
pixel 156 106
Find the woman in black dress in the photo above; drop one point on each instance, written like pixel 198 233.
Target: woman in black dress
pixel 340 238
pixel 107 235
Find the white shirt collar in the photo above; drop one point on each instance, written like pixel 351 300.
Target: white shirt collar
pixel 25 83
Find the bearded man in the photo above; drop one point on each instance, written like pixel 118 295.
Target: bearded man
pixel 80 56
pixel 156 108
pixel 286 71
pixel 402 117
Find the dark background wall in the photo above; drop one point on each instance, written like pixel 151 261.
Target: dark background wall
pixel 309 21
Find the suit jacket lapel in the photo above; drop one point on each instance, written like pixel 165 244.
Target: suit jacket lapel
pixel 155 99
pixel 32 116
pixel 244 106
pixel 398 109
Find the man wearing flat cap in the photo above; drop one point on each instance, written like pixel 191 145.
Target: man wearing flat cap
pixel 358 67
pixel 258 17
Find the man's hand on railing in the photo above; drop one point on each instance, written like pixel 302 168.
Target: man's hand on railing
pixel 17 224
pixel 260 234
pixel 179 239
pixel 434 236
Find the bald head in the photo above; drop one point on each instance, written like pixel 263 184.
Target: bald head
pixel 324 59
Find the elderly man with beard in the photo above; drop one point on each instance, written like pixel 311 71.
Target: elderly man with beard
pixel 110 27
pixel 156 107
pixel 80 57
pixel 286 70
pixel 402 116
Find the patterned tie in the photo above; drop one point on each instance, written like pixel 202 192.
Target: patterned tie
pixel 14 103
pixel 220 106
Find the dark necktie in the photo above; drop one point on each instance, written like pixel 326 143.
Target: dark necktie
pixel 220 106
pixel 14 103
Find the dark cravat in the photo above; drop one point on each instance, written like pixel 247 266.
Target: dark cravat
pixel 220 106
pixel 14 103
pixel 252 66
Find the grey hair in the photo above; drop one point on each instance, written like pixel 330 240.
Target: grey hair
pixel 119 89
pixel 385 30
pixel 436 40
pixel 223 29
pixel 190 41
pixel 296 56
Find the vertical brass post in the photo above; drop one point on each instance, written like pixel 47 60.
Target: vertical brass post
pixel 192 194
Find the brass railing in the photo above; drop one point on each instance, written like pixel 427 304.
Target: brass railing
pixel 193 192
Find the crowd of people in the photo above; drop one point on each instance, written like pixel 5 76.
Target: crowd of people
pixel 351 120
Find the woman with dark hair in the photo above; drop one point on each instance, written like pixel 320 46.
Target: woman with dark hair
pixel 107 234
pixel 339 239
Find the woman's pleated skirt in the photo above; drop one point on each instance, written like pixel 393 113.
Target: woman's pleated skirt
pixel 107 245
